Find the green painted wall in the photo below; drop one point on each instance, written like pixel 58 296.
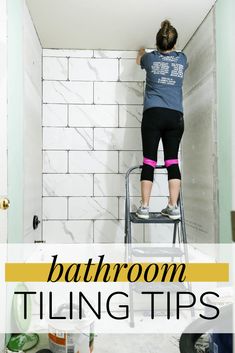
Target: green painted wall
pixel 15 120
pixel 225 11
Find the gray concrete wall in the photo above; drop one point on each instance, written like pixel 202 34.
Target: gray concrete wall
pixel 199 142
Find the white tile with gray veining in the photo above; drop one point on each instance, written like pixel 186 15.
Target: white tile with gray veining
pixel 129 159
pixel 117 139
pixel 67 138
pixel 130 71
pixel 93 161
pixel 118 92
pixel 113 185
pixel 158 233
pixel 93 69
pixel 55 161
pixel 68 232
pixel 55 68
pixel 130 115
pixel 54 207
pixel 131 54
pixel 55 115
pixel 112 231
pixel 93 115
pixel 93 208
pixel 91 134
pixel 71 53
pixel 67 92
pixel 67 185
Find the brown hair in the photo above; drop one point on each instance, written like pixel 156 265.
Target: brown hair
pixel 166 36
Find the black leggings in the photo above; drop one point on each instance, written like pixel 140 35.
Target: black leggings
pixel 167 124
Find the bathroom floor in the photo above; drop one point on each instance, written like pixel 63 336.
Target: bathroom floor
pixel 114 343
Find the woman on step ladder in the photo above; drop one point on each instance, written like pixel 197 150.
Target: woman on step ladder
pixel 162 116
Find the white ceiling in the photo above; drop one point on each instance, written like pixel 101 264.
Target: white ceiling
pixel 113 24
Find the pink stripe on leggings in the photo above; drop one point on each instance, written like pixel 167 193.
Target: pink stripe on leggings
pixel 170 162
pixel 150 162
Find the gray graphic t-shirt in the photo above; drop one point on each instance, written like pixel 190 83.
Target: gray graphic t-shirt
pixel 164 79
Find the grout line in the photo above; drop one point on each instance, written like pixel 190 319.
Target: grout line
pixel 93 127
pixel 137 82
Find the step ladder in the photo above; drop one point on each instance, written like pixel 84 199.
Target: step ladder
pixel 177 250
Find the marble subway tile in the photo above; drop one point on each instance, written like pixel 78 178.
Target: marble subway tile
pixel 114 185
pixel 130 115
pixel 54 207
pixel 68 53
pixel 67 92
pixel 68 232
pixel 55 115
pixel 129 159
pixel 93 69
pixel 112 231
pixel 158 233
pixel 118 92
pixel 117 139
pixel 93 161
pixel 93 115
pixel 55 162
pixel 55 68
pixel 131 54
pixel 93 208
pixel 130 71
pixel 109 184
pixel 67 138
pixel 67 185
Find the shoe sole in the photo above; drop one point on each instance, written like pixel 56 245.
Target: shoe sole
pixel 142 216
pixel 174 218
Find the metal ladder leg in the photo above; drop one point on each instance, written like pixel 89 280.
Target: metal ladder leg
pixel 184 239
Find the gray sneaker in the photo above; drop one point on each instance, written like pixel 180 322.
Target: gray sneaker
pixel 171 212
pixel 143 212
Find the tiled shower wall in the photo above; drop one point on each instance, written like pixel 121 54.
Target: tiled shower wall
pixel 92 110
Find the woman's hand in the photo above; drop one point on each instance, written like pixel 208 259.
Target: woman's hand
pixel 141 52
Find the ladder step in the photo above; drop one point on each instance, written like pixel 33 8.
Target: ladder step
pixel 154 217
pixel 139 287
pixel 157 251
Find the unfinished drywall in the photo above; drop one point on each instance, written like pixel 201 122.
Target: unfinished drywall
pixel 199 143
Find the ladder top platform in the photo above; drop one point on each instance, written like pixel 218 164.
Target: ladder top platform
pixel 154 217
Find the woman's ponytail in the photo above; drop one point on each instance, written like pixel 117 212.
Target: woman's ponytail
pixel 166 37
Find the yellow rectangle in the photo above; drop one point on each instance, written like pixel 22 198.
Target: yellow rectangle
pixel 141 272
